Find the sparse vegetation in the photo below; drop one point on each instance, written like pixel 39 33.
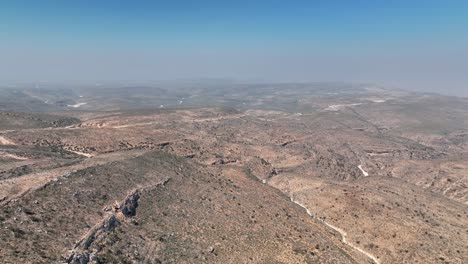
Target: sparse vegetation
pixel 60 176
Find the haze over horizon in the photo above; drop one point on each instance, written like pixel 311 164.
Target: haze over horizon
pixel 286 132
pixel 422 45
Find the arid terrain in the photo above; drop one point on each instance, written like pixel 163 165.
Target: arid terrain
pixel 233 173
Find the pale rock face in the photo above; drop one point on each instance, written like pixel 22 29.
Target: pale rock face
pixel 363 171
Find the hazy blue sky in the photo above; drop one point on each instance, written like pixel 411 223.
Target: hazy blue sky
pixel 410 44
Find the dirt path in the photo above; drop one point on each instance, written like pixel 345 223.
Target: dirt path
pixel 81 153
pixel 5 141
pixel 343 234
pixel 12 156
pixel 135 125
pixel 12 188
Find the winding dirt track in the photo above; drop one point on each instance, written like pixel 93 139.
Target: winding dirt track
pixel 342 233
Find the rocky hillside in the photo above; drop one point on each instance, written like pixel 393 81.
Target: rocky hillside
pixel 158 208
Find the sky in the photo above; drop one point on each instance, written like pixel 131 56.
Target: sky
pixel 415 45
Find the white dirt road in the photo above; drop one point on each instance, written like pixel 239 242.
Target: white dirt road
pixel 343 234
